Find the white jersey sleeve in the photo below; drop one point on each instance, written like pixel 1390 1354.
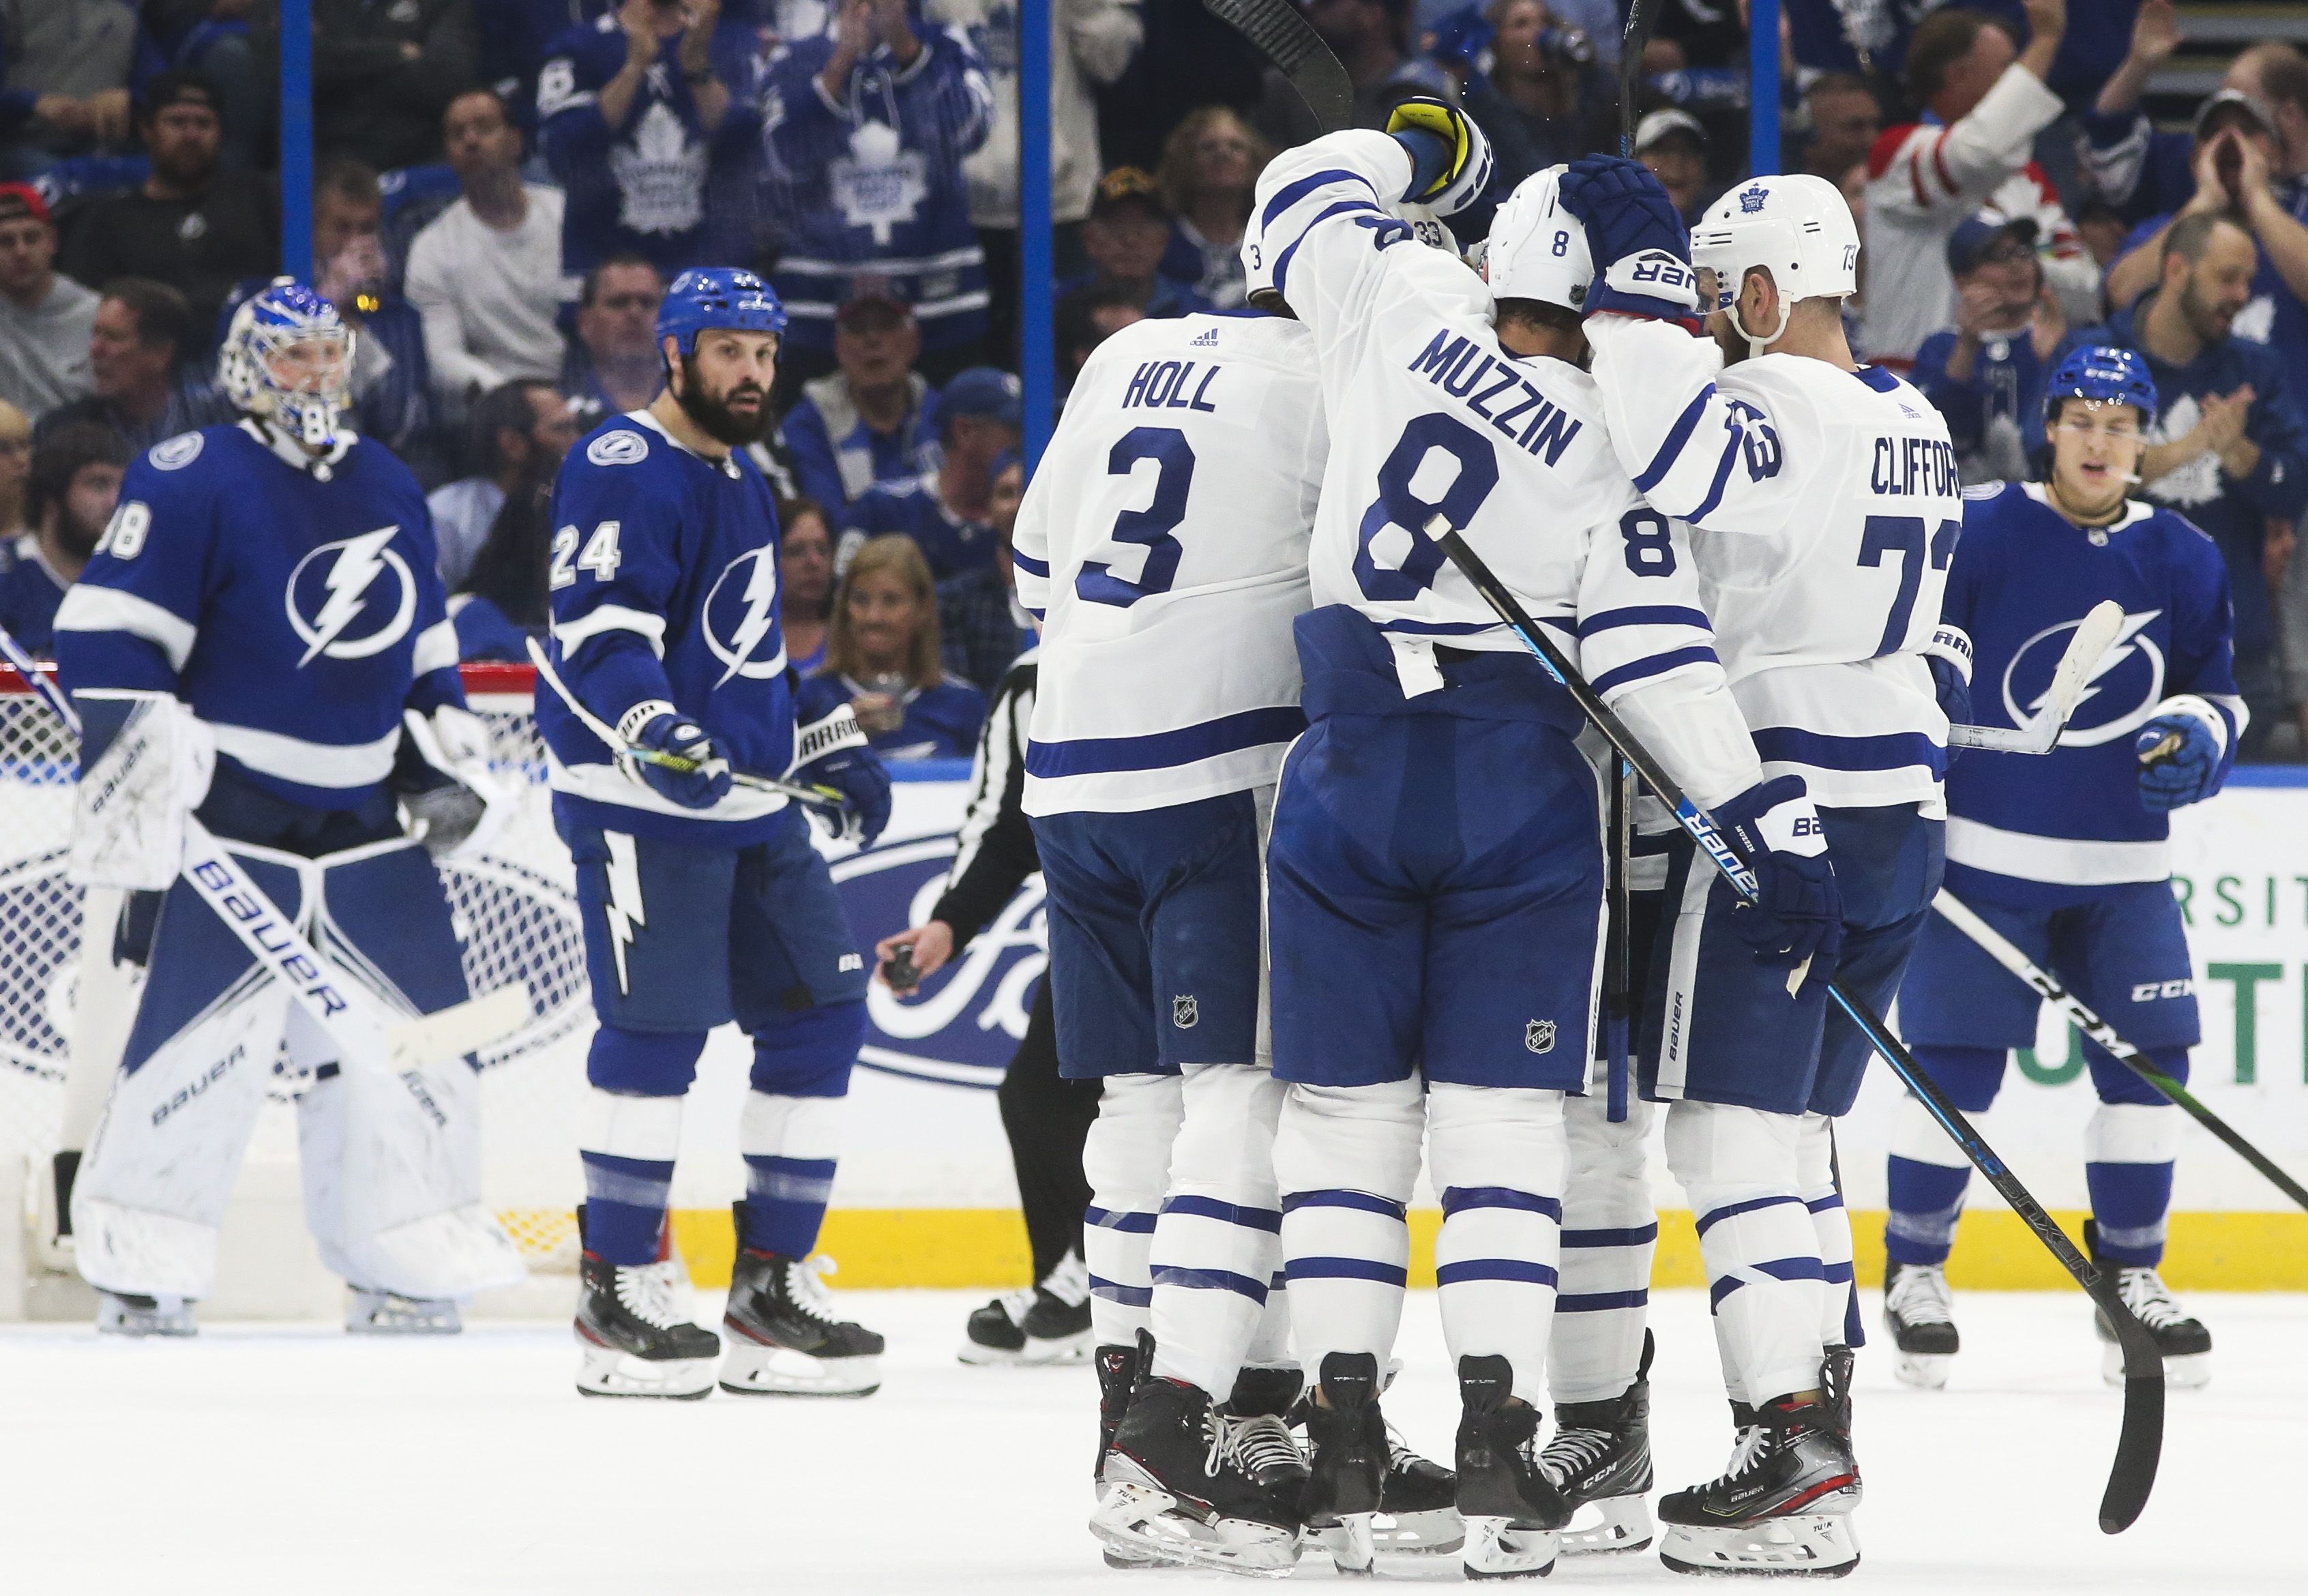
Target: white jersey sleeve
pixel 1163 545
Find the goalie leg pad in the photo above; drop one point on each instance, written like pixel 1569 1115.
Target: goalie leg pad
pixel 152 1187
pixel 1217 1240
pixel 1609 1232
pixel 1126 1159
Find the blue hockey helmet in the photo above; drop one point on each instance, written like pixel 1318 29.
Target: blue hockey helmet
pixel 707 297
pixel 287 356
pixel 2105 372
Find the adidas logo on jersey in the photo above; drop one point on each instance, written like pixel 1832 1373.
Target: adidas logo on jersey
pixel 1206 341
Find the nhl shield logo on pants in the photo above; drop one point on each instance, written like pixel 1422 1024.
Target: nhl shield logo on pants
pixel 1184 1012
pixel 1538 1036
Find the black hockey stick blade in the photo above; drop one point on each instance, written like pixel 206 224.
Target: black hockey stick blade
pixel 1289 40
pixel 2140 1444
pixel 1642 16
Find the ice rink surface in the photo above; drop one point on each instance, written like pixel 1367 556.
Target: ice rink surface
pixel 296 1459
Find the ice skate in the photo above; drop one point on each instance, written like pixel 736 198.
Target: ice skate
pixel 635 1332
pixel 1920 1315
pixel 1600 1458
pixel 1190 1483
pixel 123 1313
pixel 1513 1512
pixel 1118 1369
pixel 1783 1507
pixel 1418 1505
pixel 785 1338
pixel 1044 1322
pixel 2182 1338
pixel 1347 1460
pixel 388 1313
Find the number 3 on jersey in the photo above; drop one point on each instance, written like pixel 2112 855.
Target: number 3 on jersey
pixel 1150 529
pixel 1401 504
pixel 600 556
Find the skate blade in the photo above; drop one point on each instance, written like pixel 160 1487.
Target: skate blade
pixel 1435 1533
pixel 171 1317
pixel 1138 1520
pixel 403 1318
pixel 1821 1545
pixel 1497 1549
pixel 1620 1525
pixel 1925 1371
pixel 1352 1542
pixel 749 1369
pixel 2191 1371
pixel 605 1371
pixel 1038 1352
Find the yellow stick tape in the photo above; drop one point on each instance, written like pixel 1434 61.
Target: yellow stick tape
pixel 986 1247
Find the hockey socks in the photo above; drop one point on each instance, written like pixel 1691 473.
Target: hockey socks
pixel 791 1146
pixel 1126 1159
pixel 1346 1158
pixel 1609 1232
pixel 1498 1157
pixel 1216 1243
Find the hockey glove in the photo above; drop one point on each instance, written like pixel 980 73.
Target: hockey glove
pixel 146 764
pixel 1797 914
pixel 1637 238
pixel 2179 761
pixel 654 725
pixel 451 800
pixel 831 752
pixel 1449 157
pixel 1948 655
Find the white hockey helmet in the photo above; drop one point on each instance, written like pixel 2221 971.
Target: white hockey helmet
pixel 1538 249
pixel 1792 224
pixel 1258 269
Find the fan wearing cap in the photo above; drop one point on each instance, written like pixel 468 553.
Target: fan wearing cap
pixel 948 510
pixel 875 419
pixel 1673 146
pixel 46 318
pixel 1125 237
pixel 1986 375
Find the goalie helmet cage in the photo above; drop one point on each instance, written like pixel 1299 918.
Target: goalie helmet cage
pixel 514 911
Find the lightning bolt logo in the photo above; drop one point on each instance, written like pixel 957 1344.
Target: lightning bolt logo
pixel 2128 643
pixel 624 910
pixel 759 597
pixel 355 564
pixel 2118 651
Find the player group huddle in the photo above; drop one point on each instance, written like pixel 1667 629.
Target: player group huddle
pixel 1330 855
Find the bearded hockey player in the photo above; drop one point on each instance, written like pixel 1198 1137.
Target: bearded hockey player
pixel 1435 871
pixel 1822 496
pixel 264 605
pixel 2066 855
pixel 702 900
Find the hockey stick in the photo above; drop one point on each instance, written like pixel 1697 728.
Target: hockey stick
pixel 355 1021
pixel 1641 16
pixel 1289 41
pixel 823 797
pixel 2094 634
pixel 1618 1004
pixel 2000 948
pixel 2142 1438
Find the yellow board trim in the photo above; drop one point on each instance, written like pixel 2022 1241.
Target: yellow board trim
pixel 986 1247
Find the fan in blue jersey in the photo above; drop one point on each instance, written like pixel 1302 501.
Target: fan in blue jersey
pixel 264 601
pixel 2066 855
pixel 703 898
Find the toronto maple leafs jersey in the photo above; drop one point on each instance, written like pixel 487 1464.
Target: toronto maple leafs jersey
pixel 1823 509
pixel 1429 415
pixel 295 607
pixel 664 589
pixel 1163 546
pixel 2062 828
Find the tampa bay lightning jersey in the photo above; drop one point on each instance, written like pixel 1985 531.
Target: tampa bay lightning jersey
pixel 664 588
pixel 2031 830
pixel 295 607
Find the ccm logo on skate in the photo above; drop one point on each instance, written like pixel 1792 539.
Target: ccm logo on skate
pixel 193 1088
pixel 2149 991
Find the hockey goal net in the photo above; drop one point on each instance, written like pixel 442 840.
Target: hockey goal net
pixel 515 916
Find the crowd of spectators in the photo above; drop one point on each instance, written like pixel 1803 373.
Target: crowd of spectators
pixel 505 187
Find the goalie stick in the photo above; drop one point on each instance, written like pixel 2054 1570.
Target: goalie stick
pixel 2141 1442
pixel 2002 949
pixel 2094 634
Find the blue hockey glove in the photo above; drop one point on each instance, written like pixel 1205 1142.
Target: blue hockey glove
pixel 831 752
pixel 654 725
pixel 2179 759
pixel 1637 238
pixel 1948 655
pixel 1798 911
pixel 1449 157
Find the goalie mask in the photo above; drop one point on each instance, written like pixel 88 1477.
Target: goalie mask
pixel 1797 226
pixel 1538 249
pixel 288 358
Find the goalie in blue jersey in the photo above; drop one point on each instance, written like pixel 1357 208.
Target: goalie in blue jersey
pixel 2067 855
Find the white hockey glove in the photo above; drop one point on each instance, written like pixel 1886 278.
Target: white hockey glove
pixel 451 800
pixel 128 827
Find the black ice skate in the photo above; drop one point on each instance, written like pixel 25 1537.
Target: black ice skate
pixel 785 1337
pixel 1118 1369
pixel 1921 1317
pixel 2184 1340
pixel 634 1335
pixel 1600 1457
pixel 123 1313
pixel 1418 1505
pixel 1044 1322
pixel 388 1313
pixel 1513 1512
pixel 1783 1506
pixel 1189 1483
pixel 1348 1462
